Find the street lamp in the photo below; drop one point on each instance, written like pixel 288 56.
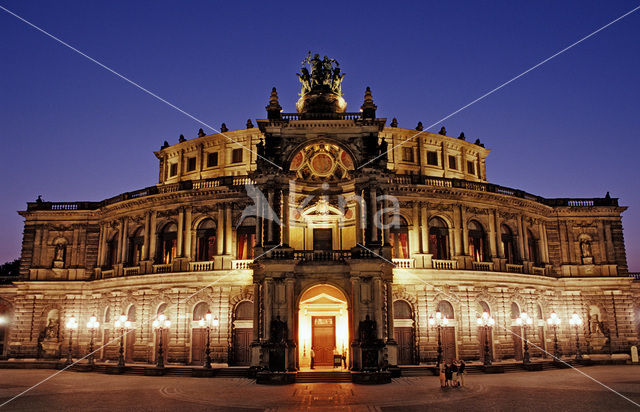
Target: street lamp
pixel 576 321
pixel 124 326
pixel 523 321
pixel 160 324
pixel 438 322
pixel 72 324
pixel 554 322
pixel 206 322
pixel 486 322
pixel 92 325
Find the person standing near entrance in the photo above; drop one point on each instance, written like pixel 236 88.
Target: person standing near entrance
pixel 461 372
pixel 313 359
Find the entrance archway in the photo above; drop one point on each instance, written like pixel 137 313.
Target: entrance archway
pixel 323 326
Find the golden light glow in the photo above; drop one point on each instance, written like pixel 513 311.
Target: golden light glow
pixel 322 300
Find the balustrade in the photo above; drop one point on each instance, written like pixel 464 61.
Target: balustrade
pixel 241 264
pixel 482 266
pixel 131 271
pixel 403 263
pixel 163 268
pixel 538 271
pixel 515 268
pixel 106 274
pixel 442 264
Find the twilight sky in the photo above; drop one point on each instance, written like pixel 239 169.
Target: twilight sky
pixel 71 130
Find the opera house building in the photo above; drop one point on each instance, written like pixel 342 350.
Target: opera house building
pixel 321 236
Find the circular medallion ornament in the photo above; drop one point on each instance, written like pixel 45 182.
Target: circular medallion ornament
pixel 322 164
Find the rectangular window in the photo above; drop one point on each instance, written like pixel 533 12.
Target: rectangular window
pixel 432 158
pixel 407 154
pixel 236 156
pixel 173 169
pixel 452 163
pixel 212 159
pixel 471 168
pixel 191 164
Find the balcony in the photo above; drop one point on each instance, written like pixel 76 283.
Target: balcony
pixel 482 266
pixel 442 264
pixel 131 271
pixel 404 263
pixel 514 268
pixel 241 264
pixel 163 268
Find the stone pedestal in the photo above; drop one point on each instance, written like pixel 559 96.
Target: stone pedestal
pixel 51 348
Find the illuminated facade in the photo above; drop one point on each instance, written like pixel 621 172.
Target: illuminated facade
pixel 295 246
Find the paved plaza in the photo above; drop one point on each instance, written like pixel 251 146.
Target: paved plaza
pixel 553 390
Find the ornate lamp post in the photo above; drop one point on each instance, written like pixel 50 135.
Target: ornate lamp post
pixel 554 322
pixel 206 322
pixel 72 324
pixel 160 325
pixel 92 325
pixel 438 322
pixel 486 322
pixel 576 321
pixel 523 321
pixel 124 326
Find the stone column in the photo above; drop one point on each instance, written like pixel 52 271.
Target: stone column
pixel 120 232
pixel 145 246
pixel 521 238
pixel 187 232
pixel 259 207
pixel 377 307
pixel 220 230
pixel 525 240
pixel 609 243
pixel 465 231
pixel 269 218
pixel 373 209
pixel 227 229
pixel 355 307
pixel 456 231
pixel 180 242
pixel 289 284
pixel 424 229
pixel 499 235
pixel 390 326
pixel 152 235
pixel 256 311
pixel 359 212
pixel 415 229
pixel 267 299
pixel 284 229
pixel 101 245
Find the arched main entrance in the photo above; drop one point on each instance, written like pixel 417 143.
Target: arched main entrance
pixel 323 326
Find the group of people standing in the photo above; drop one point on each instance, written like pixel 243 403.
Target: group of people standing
pixel 452 374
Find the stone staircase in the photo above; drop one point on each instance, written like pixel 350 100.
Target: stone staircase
pixel 321 376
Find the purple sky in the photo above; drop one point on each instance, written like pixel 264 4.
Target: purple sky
pixel 73 131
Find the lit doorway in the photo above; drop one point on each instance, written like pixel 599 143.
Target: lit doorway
pixel 323 321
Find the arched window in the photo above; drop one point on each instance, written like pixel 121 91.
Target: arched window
pixel 399 239
pixel 162 309
pixel 206 240
pixel 483 307
pixel 438 238
pixel 107 317
pixel 112 251
pixel 246 239
pixel 131 314
pixel 167 243
pixel 244 311
pixel 136 243
pixel 200 311
pixel 401 310
pixel 515 310
pixel 534 255
pixel 446 309
pixel 508 244
pixel 477 242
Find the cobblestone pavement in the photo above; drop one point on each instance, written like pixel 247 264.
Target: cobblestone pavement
pixel 525 391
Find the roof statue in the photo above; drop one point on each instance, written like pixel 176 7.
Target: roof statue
pixel 321 86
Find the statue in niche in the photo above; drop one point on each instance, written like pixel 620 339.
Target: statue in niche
pixel 52 329
pixel 585 248
pixel 595 324
pixel 59 253
pixel 278 330
pixel 367 331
